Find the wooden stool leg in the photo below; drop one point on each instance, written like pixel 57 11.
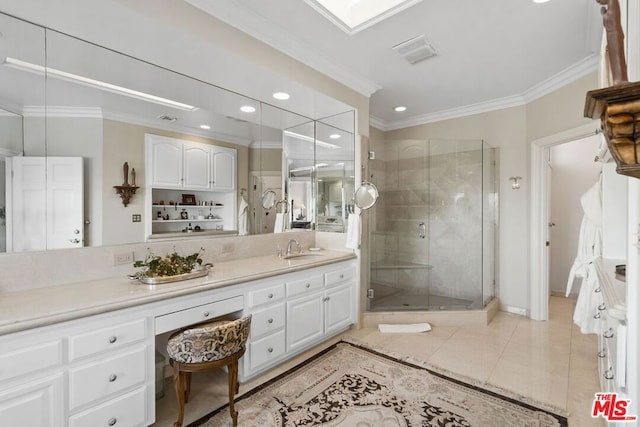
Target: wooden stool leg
pixel 178 384
pixel 188 388
pixel 233 387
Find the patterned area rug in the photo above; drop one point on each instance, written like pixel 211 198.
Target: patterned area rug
pixel 348 385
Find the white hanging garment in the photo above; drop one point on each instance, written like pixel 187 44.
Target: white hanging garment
pixel 243 227
pixel 590 238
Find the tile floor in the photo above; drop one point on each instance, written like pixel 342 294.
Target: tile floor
pixel 550 362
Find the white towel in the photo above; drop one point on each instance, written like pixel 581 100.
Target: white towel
pixel 278 227
pixel 409 328
pixel 242 218
pixel 353 231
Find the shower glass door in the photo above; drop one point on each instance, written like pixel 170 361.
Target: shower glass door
pixel 431 242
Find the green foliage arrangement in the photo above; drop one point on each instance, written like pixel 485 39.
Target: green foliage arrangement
pixel 170 265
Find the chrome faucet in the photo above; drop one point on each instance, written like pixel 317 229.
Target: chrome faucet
pixel 290 244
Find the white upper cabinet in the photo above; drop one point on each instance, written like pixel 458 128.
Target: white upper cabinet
pixel 223 162
pixel 197 166
pixel 173 163
pixel 164 162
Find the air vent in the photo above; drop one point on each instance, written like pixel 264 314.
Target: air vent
pixel 236 119
pixel 416 49
pixel 167 118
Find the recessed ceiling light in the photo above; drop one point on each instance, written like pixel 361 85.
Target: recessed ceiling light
pixel 400 108
pixel 334 136
pixel 205 127
pixel 247 109
pixel 281 96
pixel 540 1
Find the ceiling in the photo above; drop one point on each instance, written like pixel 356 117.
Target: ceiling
pixel 490 54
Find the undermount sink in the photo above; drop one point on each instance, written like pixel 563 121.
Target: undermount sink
pixel 301 255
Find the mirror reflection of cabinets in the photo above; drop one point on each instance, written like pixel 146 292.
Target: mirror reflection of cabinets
pixel 73 98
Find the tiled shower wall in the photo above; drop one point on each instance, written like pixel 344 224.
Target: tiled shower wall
pixel 440 184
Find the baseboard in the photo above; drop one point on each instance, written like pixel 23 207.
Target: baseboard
pixel 514 310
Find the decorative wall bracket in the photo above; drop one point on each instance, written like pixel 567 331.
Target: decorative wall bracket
pixel 618 108
pixel 126 190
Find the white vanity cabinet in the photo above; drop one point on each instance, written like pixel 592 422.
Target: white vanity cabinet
pixel 82 373
pixel 296 312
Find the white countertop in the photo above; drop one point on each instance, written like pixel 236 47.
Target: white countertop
pixel 44 306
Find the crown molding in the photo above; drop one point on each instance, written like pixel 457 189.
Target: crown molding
pixel 174 127
pixel 578 70
pixel 266 31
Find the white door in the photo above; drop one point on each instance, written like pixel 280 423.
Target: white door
pixel 339 306
pixel 65 199
pixel 224 169
pixel 197 166
pixel 34 404
pixel 45 199
pixel 305 323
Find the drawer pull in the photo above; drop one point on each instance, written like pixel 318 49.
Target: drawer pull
pixel 205 314
pixel 270 321
pixel 342 276
pixel 308 285
pixel 597 290
pixel 596 316
pixel 112 339
pixel 270 349
pixel 602 353
pixel 602 307
pixel 608 374
pixel 112 378
pixel 608 333
pixel 270 296
pixel 112 421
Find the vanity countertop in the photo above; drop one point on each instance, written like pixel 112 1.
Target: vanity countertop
pixel 24 310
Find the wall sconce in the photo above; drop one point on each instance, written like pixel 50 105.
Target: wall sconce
pixel 126 190
pixel 515 185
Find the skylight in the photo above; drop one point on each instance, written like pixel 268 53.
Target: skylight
pixel 356 15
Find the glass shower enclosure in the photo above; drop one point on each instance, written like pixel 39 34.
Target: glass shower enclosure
pixel 432 241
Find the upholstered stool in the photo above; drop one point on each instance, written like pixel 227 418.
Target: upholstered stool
pixel 207 346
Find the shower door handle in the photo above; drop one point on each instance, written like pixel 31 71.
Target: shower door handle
pixel 422 230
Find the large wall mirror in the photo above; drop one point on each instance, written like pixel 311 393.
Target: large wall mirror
pixel 77 100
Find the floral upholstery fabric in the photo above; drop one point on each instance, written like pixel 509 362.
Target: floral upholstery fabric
pixel 207 342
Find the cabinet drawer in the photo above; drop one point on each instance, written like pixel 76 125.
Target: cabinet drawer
pixel 266 295
pixel 267 349
pixel 267 320
pixel 125 410
pixel 102 340
pixel 201 313
pixel 30 359
pixel 105 377
pixel 300 287
pixel 339 276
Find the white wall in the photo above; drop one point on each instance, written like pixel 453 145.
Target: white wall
pixel 573 172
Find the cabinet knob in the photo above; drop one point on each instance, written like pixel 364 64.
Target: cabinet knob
pixel 112 421
pixel 602 353
pixel 205 314
pixel 608 374
pixel 597 290
pixel 342 276
pixel 608 333
pixel 270 349
pixel 112 378
pixel 270 296
pixel 308 285
pixel 596 316
pixel 112 339
pixel 270 321
pixel 602 307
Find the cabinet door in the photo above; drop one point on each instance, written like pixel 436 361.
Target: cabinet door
pixel 165 161
pixel 197 166
pixel 305 322
pixel 224 169
pixel 339 310
pixel 35 404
